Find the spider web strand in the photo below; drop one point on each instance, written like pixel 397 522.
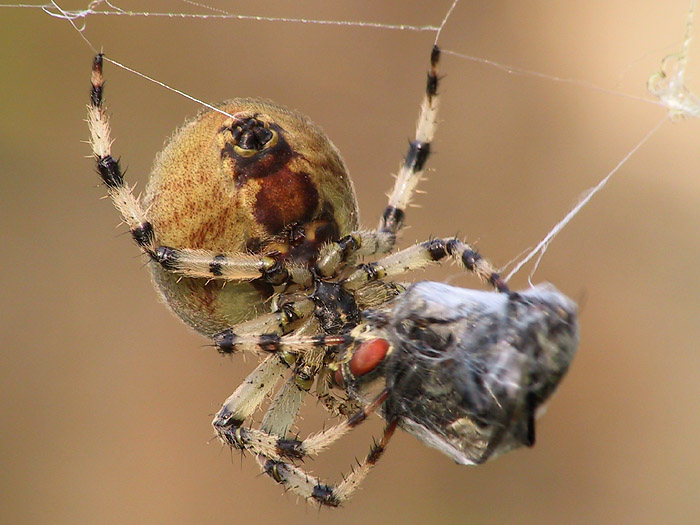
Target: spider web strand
pixel 53 10
pixel 589 194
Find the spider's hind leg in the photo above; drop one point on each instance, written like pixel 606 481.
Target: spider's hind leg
pixel 276 454
pixel 291 351
pixel 309 487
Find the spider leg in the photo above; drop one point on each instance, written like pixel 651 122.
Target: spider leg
pixel 229 267
pixel 247 397
pixel 240 405
pixel 268 329
pixel 421 255
pixel 360 243
pixel 108 167
pixel 383 239
pixel 412 169
pixel 270 440
pixel 273 450
pixel 304 484
pixel 190 263
pixel 284 407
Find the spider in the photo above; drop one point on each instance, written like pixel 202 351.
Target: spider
pixel 255 196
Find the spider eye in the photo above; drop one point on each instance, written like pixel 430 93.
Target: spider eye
pixel 251 135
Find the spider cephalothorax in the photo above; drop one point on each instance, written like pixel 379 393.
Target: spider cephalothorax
pixel 254 196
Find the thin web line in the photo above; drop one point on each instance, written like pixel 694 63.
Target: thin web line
pixel 589 194
pixel 138 73
pixel 94 9
pixel 444 20
pixel 53 9
pixel 166 86
pixel 669 87
pixel 512 70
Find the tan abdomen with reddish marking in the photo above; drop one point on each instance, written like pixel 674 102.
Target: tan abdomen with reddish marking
pixel 264 179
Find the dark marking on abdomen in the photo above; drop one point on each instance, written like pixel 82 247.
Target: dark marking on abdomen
pixel 285 197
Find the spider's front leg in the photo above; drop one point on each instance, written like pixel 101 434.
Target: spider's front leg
pixel 186 262
pixel 421 255
pixel 413 167
pixel 383 239
pixel 109 169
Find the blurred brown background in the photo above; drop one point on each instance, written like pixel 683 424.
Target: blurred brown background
pixel 106 399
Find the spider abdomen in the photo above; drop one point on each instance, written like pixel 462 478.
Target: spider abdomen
pixel 253 177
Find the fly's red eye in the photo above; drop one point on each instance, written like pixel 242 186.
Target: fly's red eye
pixel 368 355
